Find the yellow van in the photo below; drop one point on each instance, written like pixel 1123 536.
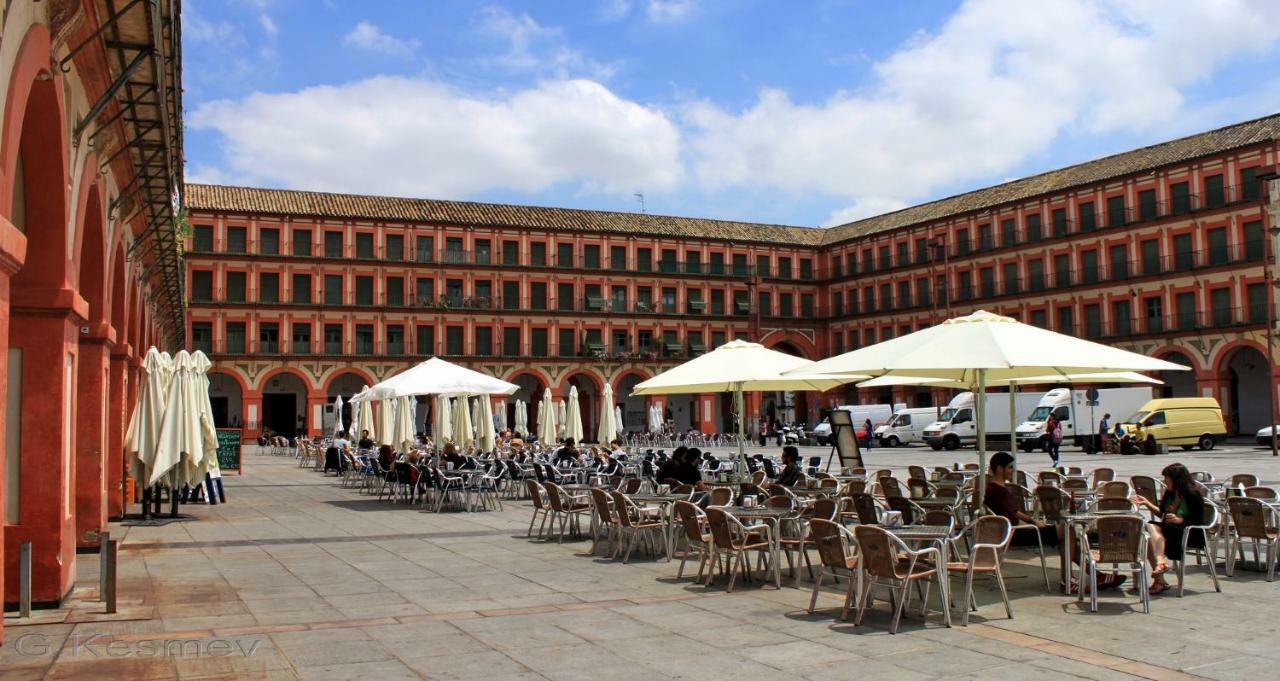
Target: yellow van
pixel 1185 421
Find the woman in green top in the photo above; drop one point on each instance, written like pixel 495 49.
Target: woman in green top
pixel 1180 506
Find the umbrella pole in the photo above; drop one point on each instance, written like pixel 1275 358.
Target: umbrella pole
pixel 981 413
pixel 1013 435
pixel 742 417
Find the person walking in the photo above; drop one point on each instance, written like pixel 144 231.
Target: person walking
pixel 1053 434
pixel 870 436
pixel 1104 432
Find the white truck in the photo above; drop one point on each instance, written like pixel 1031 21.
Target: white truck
pixel 1079 418
pixel 906 426
pixel 958 424
pixel 878 413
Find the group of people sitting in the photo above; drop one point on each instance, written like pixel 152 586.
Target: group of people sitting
pixel 1181 505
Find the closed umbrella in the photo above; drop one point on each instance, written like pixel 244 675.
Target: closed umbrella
pixel 522 418
pixel 337 415
pixel 364 416
pixel 475 417
pixel 655 418
pixel 982 347
pixel 547 430
pixel 562 419
pixel 463 433
pixel 500 416
pixel 404 432
pixel 619 427
pixel 386 422
pixel 148 416
pixel 183 441
pixel 442 422
pixel 573 420
pixel 200 366
pixel 608 428
pixel 486 439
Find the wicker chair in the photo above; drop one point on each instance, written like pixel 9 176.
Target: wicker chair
pixel 837 556
pixel 1255 521
pixel 721 496
pixel 910 511
pixel 921 488
pixel 568 510
pixel 1243 480
pixel 991 535
pixel 538 495
pixel 633 520
pixel 1115 489
pixel 604 518
pixel 890 487
pixel 732 541
pixel 1101 475
pixel 1264 493
pixel 1147 487
pixel 888 561
pixel 1122 540
pixel 863 509
pixel 1050 478
pixel 694 523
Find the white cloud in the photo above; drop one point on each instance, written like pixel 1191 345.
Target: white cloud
pixel 533 48
pixel 669 11
pixel 269 26
pixel 865 207
pixel 403 136
pixel 999 82
pixel 368 36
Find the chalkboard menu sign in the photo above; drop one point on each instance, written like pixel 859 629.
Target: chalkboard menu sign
pixel 229 449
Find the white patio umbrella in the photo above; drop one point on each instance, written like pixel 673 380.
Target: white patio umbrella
pixel 547 430
pixel 655 418
pixel 463 433
pixel 573 416
pixel 618 427
pixel 739 366
pixel 386 422
pixel 562 419
pixel 475 418
pixel 148 415
pixel 362 419
pixel 500 415
pixel 200 366
pixel 608 428
pixel 486 438
pixel 404 432
pixel 441 421
pixel 982 347
pixel 522 418
pixel 438 377
pixel 337 414
pixel 184 439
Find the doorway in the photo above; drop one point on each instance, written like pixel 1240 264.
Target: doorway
pixel 280 413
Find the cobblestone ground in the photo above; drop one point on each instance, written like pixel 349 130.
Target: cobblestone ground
pixel 298 578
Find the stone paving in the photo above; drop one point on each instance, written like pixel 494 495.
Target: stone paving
pixel 298 578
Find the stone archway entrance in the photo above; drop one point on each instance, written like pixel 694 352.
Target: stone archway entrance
pixel 1246 375
pixel 227 399
pixel 1177 383
pixel 284 403
pixel 530 392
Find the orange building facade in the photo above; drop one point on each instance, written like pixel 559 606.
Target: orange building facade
pixel 301 297
pixel 90 164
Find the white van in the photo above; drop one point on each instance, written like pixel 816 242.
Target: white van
pixel 906 426
pixel 1078 416
pixel 957 425
pixel 860 413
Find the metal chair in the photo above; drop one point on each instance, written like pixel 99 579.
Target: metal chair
pixel 1210 527
pixel 991 535
pixel 1252 520
pixel 1122 540
pixel 837 555
pixel 887 561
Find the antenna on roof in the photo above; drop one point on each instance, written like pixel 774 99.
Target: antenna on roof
pixel 640 197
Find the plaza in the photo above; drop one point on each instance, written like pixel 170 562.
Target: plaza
pixel 331 584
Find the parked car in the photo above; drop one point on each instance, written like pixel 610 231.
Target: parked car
pixel 1184 421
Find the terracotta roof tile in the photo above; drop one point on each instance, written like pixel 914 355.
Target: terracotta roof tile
pixel 431 211
pixel 1099 170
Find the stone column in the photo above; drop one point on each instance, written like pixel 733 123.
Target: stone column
pixel 705 403
pixel 13 252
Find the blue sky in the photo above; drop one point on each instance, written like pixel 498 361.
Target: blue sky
pixel 807 113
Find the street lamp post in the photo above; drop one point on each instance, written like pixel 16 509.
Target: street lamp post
pixel 1269 233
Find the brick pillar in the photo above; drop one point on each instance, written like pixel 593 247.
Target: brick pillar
pixel 13 251
pixel 315 414
pixel 119 409
pixel 93 402
pixel 251 403
pixel 46 328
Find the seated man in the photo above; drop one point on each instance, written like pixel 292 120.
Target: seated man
pixel 687 471
pixel 1001 501
pixel 567 454
pixel 365 442
pixel 791 474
